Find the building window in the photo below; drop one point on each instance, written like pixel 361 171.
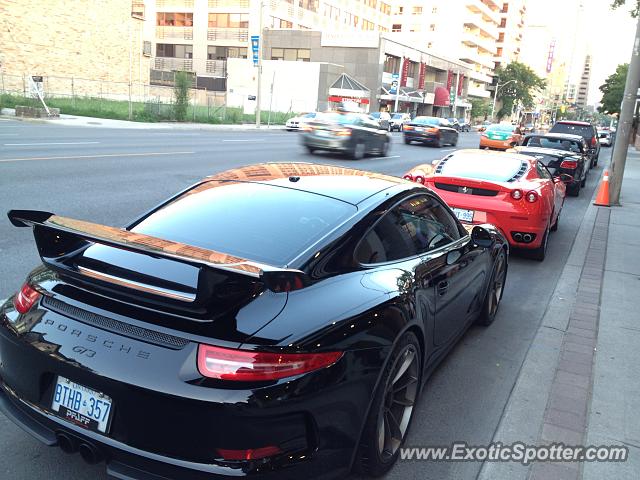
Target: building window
pixel 391 64
pixel 371 3
pixel 382 29
pixel 168 19
pixel 347 18
pixel 499 54
pixel 367 25
pixel 169 50
pixel 222 53
pixel 411 69
pixel 503 23
pixel 332 12
pixel 280 23
pixel 399 10
pixel 228 20
pixel 501 37
pixel 430 45
pixel 309 4
pixel 434 10
pixel 396 27
pixel 505 8
pixel 417 11
pixel 432 27
pixel 385 8
pixel 291 54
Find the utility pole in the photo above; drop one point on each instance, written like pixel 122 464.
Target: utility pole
pixel 260 41
pixel 621 146
pixel 402 60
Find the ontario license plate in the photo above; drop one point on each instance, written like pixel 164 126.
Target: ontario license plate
pixel 81 405
pixel 463 215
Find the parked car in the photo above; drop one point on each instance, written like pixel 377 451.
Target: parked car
pixel 514 192
pixel 464 125
pixel 604 137
pixel 398 120
pixel 432 130
pixel 382 118
pixel 353 134
pixel 501 136
pixel 176 346
pixel 586 131
pixel 559 162
pixel 296 123
pixel 560 141
pixel 454 123
pixel 528 128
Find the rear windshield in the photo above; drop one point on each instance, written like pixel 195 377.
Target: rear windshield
pixel 259 222
pixel 501 128
pixel 557 143
pixel 586 131
pixel 426 120
pixel 482 167
pixel 543 157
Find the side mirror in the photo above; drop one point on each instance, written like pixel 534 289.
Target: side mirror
pixel 563 177
pixel 481 237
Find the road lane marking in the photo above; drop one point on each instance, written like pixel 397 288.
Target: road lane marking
pixel 449 150
pixel 8 134
pixel 106 155
pixel 243 140
pixel 47 143
pixel 390 156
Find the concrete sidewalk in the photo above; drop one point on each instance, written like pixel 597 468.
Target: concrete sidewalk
pixel 78 121
pixel 579 384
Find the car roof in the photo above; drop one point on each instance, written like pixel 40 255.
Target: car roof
pixel 574 122
pixel 547 151
pixel 344 184
pixel 561 136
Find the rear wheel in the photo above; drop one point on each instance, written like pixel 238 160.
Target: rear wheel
pixel 407 141
pixel 388 421
pixel 494 290
pixel 384 149
pixel 311 149
pixel 541 252
pixel 455 141
pixel 438 143
pixel 554 227
pixel 358 151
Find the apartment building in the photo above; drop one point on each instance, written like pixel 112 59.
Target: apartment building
pixel 510 31
pixel 585 80
pixel 467 30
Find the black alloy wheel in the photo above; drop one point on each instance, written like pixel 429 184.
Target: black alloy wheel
pixel 494 290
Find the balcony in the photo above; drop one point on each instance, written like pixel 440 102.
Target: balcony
pixel 171 63
pixel 174 33
pixel 471 55
pixel 474 38
pixel 137 9
pixel 228 3
pixel 161 4
pixel 218 68
pixel 488 15
pixel 237 34
pixel 478 92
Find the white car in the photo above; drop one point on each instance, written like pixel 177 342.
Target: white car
pixel 296 123
pixel 398 120
pixel 604 136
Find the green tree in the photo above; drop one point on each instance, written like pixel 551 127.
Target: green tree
pixel 613 90
pixel 636 9
pixel 480 108
pixel 183 81
pixel 523 84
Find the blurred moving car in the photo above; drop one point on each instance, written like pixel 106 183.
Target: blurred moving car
pixel 432 130
pixel 559 141
pixel 585 130
pixel 604 137
pixel 398 120
pixel 464 125
pixel 501 136
pixel 295 123
pixel 353 134
pixel 454 123
pixel 382 118
pixel 514 192
pixel 559 162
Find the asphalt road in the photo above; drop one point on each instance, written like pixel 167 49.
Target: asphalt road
pixel 109 176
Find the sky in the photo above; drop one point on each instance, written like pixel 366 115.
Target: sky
pixel 607 34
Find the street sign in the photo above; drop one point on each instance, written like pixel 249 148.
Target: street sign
pixel 255 47
pixel 452 97
pixel 394 84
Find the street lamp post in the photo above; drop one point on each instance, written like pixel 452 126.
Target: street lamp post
pixel 495 96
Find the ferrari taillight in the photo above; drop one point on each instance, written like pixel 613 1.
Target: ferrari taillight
pixel 531 197
pixel 419 179
pixel 516 194
pixel 25 298
pixel 409 177
pixel 248 366
pixel 569 164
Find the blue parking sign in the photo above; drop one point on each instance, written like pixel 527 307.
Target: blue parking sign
pixel 255 47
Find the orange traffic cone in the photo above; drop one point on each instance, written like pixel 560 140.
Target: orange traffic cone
pixel 602 199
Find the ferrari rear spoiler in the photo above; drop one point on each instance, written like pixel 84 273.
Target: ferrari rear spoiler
pixel 58 236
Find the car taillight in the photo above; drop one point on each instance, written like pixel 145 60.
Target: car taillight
pixel 432 130
pixel 407 127
pixel 569 164
pixel 342 132
pixel 250 453
pixel 409 177
pixel 531 197
pixel 248 366
pixel 419 179
pixel 306 128
pixel 25 298
pixel 593 141
pixel 516 194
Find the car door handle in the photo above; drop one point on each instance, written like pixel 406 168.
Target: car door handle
pixel 443 287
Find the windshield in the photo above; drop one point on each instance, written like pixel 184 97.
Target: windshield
pixel 495 168
pixel 501 128
pixel 251 220
pixel 427 120
pixel 559 143
pixel 396 116
pixel 585 131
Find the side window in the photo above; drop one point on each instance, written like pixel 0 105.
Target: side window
pixel 417 225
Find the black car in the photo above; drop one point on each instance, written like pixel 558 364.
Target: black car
pixel 586 130
pixel 352 134
pixel 464 125
pixel 273 321
pixel 562 162
pixel 559 141
pixel 432 130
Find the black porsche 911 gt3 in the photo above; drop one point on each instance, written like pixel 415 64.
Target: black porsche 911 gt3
pixel 274 321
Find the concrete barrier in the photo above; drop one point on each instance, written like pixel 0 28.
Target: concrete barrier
pixel 36 112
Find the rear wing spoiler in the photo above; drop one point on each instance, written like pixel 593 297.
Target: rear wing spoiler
pixel 55 234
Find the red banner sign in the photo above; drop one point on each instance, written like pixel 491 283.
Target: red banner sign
pixel 460 84
pixel 405 72
pixel 449 80
pixel 337 99
pixel 423 71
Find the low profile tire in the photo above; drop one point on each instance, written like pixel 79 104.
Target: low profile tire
pixel 390 415
pixel 311 150
pixel 583 183
pixel 438 144
pixel 358 151
pixel 541 252
pixel 554 227
pixel 494 291
pixel 455 142
pixel 574 189
pixel 407 141
pixel 384 150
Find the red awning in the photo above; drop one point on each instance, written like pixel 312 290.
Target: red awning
pixel 442 97
pixel 337 99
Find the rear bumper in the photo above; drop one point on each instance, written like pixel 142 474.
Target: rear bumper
pixel 336 144
pixel 422 137
pixel 496 144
